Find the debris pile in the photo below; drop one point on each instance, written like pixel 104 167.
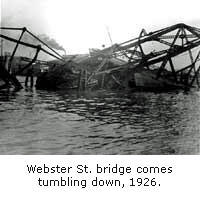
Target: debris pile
pixel 58 77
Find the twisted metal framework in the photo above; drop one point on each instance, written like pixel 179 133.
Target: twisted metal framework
pixel 5 74
pixel 156 51
pixel 175 41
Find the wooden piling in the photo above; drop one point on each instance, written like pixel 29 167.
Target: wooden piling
pixel 79 80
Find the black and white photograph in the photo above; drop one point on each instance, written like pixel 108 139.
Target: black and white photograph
pixel 99 77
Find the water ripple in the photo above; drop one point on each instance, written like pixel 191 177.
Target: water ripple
pixel 101 122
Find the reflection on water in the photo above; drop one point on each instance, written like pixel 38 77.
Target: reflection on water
pixel 41 122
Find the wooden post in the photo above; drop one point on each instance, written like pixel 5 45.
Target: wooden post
pixel 1 47
pixel 102 81
pixel 29 74
pixel 7 77
pixel 103 77
pixel 79 80
pixel 85 80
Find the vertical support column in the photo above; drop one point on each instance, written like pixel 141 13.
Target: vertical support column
pixel 85 80
pixel 189 51
pixel 102 80
pixel 143 32
pixel 193 67
pixel 166 59
pixel 80 80
pixel 173 70
pixel 2 47
pixel 32 61
pixel 162 67
pixel 196 75
pixel 29 75
pixel 15 49
pixel 103 77
pixel 190 29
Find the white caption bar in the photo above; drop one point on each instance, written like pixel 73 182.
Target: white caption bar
pixel 89 176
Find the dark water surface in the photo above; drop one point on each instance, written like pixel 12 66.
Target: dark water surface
pixel 42 122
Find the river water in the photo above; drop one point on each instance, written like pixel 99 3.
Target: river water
pixel 100 122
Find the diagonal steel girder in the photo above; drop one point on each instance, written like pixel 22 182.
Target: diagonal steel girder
pixel 148 37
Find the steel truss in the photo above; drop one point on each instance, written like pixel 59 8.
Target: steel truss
pixel 6 74
pixel 177 40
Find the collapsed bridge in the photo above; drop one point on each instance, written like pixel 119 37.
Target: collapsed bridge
pixel 164 59
pixel 171 54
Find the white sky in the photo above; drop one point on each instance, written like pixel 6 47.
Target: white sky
pixel 81 24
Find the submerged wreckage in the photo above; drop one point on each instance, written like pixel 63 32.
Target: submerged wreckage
pixel 161 60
